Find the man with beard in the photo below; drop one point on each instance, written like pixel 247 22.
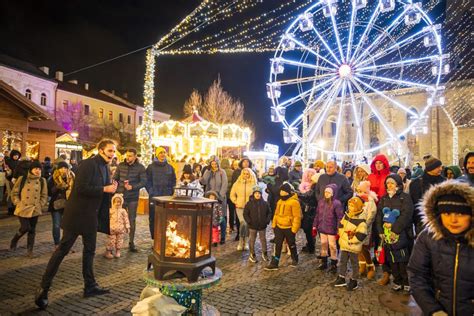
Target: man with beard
pixel 419 186
pixel 468 176
pixel 85 214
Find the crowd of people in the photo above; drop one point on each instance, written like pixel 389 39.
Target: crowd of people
pixel 416 223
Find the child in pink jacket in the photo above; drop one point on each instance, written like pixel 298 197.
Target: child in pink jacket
pixel 119 226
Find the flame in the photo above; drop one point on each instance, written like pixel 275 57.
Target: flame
pixel 179 246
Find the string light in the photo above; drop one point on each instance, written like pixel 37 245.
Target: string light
pixel 262 33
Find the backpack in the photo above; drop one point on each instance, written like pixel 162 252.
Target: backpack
pixel 23 181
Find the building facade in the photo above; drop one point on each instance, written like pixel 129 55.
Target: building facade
pixel 74 107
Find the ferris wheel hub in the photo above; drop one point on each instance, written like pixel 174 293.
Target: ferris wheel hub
pixel 345 71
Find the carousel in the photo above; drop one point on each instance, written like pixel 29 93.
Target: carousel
pixel 198 138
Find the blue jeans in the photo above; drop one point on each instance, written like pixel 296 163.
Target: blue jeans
pixel 57 216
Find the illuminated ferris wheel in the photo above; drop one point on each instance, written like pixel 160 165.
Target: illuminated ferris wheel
pixel 342 75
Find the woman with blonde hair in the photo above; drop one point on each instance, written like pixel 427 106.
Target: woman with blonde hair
pixel 240 195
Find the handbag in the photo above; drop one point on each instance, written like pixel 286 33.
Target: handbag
pixel 380 254
pixel 59 204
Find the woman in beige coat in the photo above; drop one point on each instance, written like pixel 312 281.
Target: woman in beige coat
pixel 240 195
pixel 29 196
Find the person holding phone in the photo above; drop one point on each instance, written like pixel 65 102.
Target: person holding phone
pixel 131 177
pixel 86 213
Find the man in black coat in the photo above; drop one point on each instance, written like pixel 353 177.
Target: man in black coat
pixel 131 177
pixel 419 186
pixel 85 214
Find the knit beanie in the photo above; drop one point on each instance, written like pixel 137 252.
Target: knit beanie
pixel 391 180
pixel 453 203
pixel 187 169
pixel 298 164
pixel 159 149
pixel 402 170
pixel 357 202
pixel 286 187
pixel 35 164
pixel 432 163
pixel 390 216
pixel 63 164
pixel 320 164
pixel 256 188
pixel 364 186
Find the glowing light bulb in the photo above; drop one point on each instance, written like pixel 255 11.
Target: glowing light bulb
pixel 345 71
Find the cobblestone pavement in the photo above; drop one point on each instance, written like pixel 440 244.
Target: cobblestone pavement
pixel 244 289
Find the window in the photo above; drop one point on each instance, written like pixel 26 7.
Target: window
pixel 129 119
pixel 374 126
pixel 43 99
pixel 111 116
pixel 101 113
pixel 121 117
pixel 28 94
pixel 140 120
pixel 333 129
pixel 87 109
pixel 65 105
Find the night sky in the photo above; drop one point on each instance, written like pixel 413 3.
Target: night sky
pixel 69 35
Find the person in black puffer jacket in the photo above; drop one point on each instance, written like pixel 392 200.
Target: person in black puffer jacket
pixel 395 199
pixel 418 187
pixel 441 267
pixel 257 215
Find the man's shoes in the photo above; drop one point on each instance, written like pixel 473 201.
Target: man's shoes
pixel 397 287
pixel 94 291
pixel 340 281
pixel 273 265
pixel 352 285
pixel 41 299
pixel 252 258
pixel 306 249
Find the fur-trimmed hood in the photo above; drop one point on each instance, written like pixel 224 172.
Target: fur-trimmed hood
pixel 429 216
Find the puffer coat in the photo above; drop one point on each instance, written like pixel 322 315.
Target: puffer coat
pixel 352 232
pixel 288 214
pixel 400 201
pixel 377 178
pixel 441 267
pixel 328 215
pixel 257 213
pixel 32 198
pixel 242 189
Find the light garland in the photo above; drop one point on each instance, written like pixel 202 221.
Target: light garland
pixel 261 33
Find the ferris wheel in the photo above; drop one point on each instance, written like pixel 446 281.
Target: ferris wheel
pixel 342 76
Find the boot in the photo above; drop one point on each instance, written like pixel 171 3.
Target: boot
pixel 362 268
pixel 246 244
pixel 324 263
pixel 370 271
pixel 294 256
pixel 385 279
pixel 14 242
pixel 273 265
pixel 41 299
pixel 30 242
pixel 333 266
